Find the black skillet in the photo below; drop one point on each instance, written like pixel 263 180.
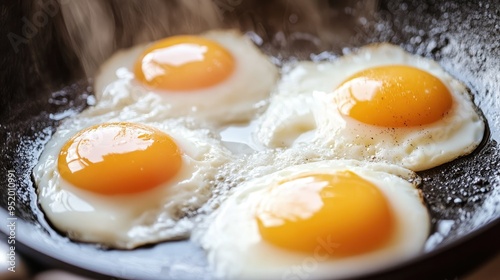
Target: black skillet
pixel 42 82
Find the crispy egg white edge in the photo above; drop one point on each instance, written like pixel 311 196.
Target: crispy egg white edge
pixel 235 99
pixel 463 122
pixel 236 250
pixel 129 224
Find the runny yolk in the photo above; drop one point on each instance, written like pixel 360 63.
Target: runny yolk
pixel 394 96
pixel 332 215
pixel 119 158
pixel 184 63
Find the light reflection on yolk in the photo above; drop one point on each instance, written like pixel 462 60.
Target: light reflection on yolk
pixel 394 96
pixel 341 210
pixel 119 158
pixel 184 63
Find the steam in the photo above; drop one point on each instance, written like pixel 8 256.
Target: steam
pixel 95 28
pixel 91 29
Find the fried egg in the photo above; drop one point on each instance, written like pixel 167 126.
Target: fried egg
pixel 120 181
pixel 326 219
pixel 218 76
pixel 380 103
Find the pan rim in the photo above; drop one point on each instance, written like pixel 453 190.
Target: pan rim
pixel 29 245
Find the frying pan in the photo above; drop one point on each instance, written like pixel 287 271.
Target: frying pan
pixel 43 82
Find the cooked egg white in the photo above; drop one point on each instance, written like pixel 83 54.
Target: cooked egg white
pixel 123 180
pixel 218 76
pixel 380 103
pixel 327 219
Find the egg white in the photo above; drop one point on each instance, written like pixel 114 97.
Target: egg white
pixel 309 88
pixel 235 99
pixel 128 221
pixel 236 250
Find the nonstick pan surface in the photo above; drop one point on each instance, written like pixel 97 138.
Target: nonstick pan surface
pixel 463 196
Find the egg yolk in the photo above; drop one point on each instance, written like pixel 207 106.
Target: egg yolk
pixel 337 214
pixel 184 63
pixel 119 158
pixel 394 96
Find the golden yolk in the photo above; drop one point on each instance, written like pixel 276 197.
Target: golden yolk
pixel 184 63
pixel 394 96
pixel 119 158
pixel 333 215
